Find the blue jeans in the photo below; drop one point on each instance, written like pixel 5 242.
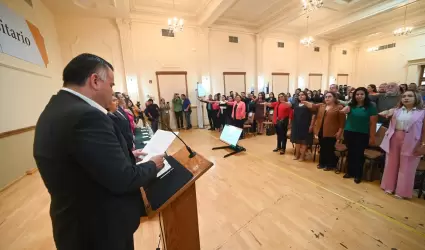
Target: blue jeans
pixel 187 117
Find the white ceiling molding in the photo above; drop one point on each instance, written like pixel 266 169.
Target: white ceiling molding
pixel 213 11
pixel 361 15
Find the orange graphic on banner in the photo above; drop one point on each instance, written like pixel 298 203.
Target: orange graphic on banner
pixel 39 40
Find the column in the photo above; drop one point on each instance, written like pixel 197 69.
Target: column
pixel 259 65
pixel 131 79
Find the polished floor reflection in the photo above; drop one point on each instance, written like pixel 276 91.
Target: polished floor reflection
pixel 255 200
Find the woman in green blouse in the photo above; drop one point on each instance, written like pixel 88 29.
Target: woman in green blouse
pixel 359 131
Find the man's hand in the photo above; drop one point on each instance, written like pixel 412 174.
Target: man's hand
pixel 138 152
pixel 159 161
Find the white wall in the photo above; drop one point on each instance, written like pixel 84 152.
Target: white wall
pixel 92 35
pixel 342 64
pixel 390 64
pixel 281 60
pixel 310 61
pixel 231 57
pixel 26 88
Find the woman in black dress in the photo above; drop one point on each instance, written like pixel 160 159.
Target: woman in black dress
pixel 302 127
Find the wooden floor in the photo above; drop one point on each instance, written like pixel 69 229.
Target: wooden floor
pixel 257 200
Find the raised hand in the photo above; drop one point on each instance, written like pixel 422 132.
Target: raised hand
pixel 345 110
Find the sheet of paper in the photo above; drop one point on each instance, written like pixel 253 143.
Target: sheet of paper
pixel 158 144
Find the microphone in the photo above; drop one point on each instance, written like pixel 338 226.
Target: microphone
pixel 191 152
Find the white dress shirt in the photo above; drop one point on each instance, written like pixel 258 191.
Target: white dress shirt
pixel 403 119
pixel 86 99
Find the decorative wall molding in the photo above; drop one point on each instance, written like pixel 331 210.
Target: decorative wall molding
pixel 25 70
pixel 16 132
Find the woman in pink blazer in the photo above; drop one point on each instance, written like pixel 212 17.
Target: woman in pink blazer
pixel 238 113
pixel 404 144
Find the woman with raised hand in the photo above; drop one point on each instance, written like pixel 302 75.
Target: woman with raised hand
pixel 238 113
pixel 282 121
pixel 359 131
pixel 302 127
pixel 404 144
pixel 260 111
pixel 328 127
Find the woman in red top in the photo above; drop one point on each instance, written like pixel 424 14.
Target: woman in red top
pixel 282 112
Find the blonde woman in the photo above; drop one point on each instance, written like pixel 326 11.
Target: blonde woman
pixel 164 111
pixel 404 144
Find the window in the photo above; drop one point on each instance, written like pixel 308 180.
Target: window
pixel 422 76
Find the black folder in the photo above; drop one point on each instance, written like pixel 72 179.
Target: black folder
pixel 166 185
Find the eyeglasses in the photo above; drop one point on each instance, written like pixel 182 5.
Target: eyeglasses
pixel 328 96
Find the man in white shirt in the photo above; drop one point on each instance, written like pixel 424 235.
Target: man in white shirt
pixel 86 165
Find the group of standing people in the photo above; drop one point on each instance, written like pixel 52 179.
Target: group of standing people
pixel 354 123
pixel 349 119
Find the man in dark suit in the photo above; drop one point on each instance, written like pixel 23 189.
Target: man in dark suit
pixel 123 121
pixel 86 165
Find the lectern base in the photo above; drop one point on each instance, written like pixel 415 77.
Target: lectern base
pixel 236 149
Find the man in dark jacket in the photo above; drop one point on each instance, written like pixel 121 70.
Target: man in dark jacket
pixel 86 165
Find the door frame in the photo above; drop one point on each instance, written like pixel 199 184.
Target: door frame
pixel 158 73
pixel 347 75
pixel 280 74
pixel 315 74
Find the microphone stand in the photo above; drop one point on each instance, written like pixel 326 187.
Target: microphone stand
pixel 191 152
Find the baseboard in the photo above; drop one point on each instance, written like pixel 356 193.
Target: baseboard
pixel 28 172
pixel 11 183
pixel 31 171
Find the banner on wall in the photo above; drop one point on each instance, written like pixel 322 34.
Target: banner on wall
pixel 20 38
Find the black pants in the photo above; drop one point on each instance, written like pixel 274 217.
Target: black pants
pixel 356 145
pixel 179 119
pixel 211 118
pixel 239 124
pixel 154 125
pixel 281 133
pixel 327 152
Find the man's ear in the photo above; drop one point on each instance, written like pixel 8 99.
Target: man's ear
pixel 94 81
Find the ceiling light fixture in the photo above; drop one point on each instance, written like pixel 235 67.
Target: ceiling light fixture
pixel 175 24
pixel 307 41
pixel 310 5
pixel 403 31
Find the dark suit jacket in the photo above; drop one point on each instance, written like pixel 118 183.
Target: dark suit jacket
pixel 117 128
pixel 86 166
pixel 124 125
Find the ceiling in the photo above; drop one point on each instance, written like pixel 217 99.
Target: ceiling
pixel 338 21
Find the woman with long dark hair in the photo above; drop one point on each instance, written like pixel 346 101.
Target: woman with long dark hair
pixel 260 111
pixel 281 120
pixel 372 90
pixel 328 128
pixel 359 131
pixel 302 127
pixel 403 88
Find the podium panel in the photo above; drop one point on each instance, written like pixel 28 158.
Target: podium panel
pixel 179 213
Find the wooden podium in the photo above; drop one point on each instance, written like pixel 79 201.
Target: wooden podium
pixel 180 213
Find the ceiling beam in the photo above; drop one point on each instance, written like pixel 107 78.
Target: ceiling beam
pixel 289 13
pixel 369 12
pixel 213 10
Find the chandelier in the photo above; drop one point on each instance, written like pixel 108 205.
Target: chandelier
pixel 310 5
pixel 307 41
pixel 175 24
pixel 403 31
